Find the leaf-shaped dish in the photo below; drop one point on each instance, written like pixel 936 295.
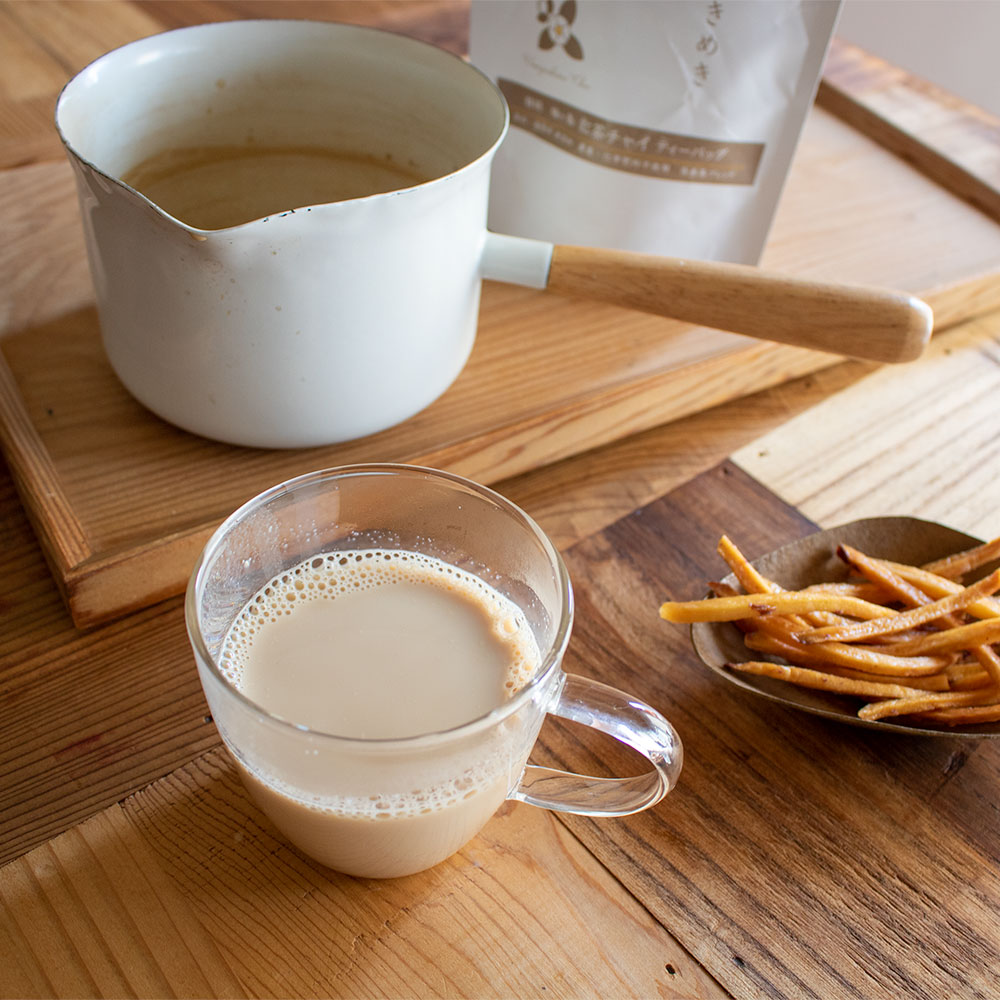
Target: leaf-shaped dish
pixel 813 559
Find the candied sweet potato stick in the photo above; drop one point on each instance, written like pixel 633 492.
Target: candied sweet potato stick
pixel 984 632
pixel 939 586
pixel 849 637
pixel 989 661
pixel 844 665
pixel 754 582
pixel 751 580
pixel 974 677
pixel 964 716
pixel 960 563
pixel 867 590
pixel 921 703
pixel 824 682
pixel 878 571
pixel 718 609
pixel 857 657
pixel 911 590
pixel 920 615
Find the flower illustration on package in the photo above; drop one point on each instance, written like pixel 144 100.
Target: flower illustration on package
pixel 558 30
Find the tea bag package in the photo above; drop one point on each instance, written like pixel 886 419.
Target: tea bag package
pixel 662 126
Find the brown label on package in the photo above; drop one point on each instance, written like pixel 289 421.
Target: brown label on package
pixel 625 147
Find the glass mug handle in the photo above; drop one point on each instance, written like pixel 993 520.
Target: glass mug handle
pixel 628 720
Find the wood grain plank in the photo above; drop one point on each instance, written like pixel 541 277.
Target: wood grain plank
pixel 817 854
pixel 41 488
pixel 79 733
pixel 187 883
pixel 45 42
pixel 922 439
pixel 757 842
pixel 951 141
pixel 441 22
pixel 28 69
pixel 87 736
pixel 614 373
pixel 836 192
pixel 41 284
pixel 583 495
pixel 135 574
pixel 73 33
pixel 92 915
pixel 42 44
pixel 26 133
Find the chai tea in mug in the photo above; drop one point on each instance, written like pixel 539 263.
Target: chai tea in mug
pixel 379 646
pixel 373 644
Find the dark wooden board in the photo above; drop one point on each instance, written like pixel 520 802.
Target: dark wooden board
pixel 794 850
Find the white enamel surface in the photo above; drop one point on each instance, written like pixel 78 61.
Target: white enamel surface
pixel 304 328
pixel 517 260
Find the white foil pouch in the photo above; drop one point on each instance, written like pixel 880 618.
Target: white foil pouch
pixel 661 126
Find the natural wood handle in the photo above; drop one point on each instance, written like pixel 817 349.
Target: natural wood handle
pixel 870 323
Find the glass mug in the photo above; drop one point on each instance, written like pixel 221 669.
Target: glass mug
pixel 391 806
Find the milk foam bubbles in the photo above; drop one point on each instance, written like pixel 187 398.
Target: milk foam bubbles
pixel 338 574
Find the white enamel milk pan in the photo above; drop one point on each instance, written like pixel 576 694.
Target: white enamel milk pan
pixel 237 318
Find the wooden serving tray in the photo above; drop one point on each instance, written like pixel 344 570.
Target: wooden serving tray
pixel 122 502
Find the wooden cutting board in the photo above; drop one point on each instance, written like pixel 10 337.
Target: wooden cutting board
pixel 122 502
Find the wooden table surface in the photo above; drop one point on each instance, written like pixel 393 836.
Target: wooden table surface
pixel 796 858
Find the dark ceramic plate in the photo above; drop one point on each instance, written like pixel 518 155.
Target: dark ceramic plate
pixel 809 560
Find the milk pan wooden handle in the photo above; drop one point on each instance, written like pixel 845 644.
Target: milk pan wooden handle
pixel 869 323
